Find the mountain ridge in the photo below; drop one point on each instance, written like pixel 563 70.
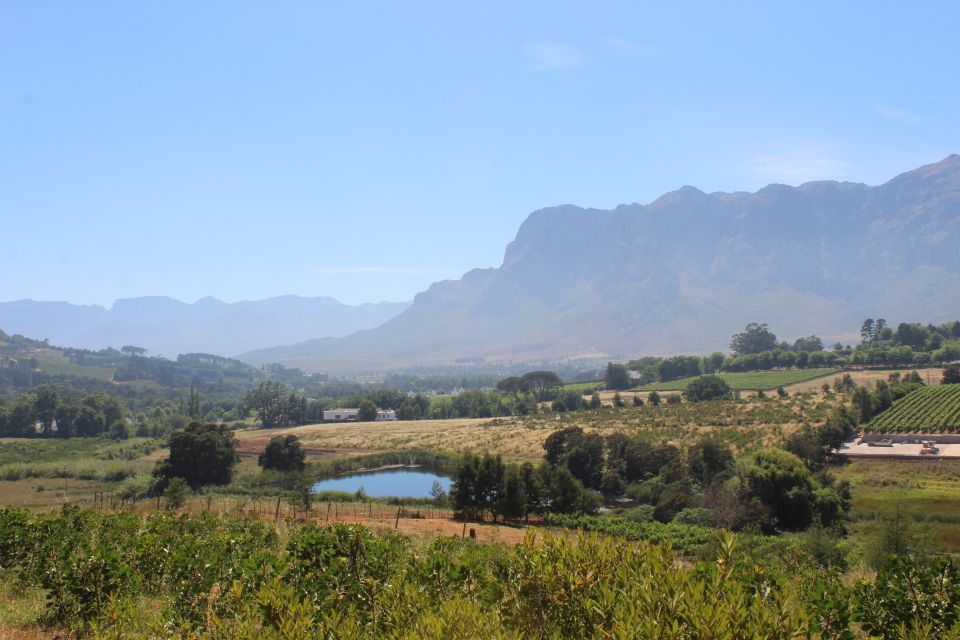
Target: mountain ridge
pixel 681 274
pixel 168 326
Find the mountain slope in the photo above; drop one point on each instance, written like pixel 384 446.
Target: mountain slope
pixel 169 327
pixel 681 275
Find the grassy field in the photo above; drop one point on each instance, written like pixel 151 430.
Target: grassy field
pixel 41 473
pixel 748 380
pixel 926 492
pixel 927 410
pixel 584 387
pixel 54 363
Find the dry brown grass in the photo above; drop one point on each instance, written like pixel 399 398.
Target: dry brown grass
pixel 865 376
pixel 521 438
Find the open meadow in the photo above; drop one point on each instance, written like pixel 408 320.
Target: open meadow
pixel 926 493
pixel 745 423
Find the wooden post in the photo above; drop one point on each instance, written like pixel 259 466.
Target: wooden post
pixel 276 515
pixel 463 534
pixel 327 519
pixel 397 523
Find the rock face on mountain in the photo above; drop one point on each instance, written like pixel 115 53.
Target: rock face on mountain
pixel 170 327
pixel 681 275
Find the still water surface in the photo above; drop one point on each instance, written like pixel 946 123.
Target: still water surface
pixel 404 483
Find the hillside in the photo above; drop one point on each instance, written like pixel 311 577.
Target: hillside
pixel 26 363
pixel 681 275
pixel 169 327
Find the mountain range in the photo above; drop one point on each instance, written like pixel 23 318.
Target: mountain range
pixel 169 327
pixel 680 275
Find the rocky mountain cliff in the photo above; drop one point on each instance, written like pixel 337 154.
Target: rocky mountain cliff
pixel 682 274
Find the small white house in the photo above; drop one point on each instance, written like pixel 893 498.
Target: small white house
pixel 386 414
pixel 341 414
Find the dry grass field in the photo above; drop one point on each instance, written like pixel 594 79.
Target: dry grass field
pixel 867 377
pixel 744 423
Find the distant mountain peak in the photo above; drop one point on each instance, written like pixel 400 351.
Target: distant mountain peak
pixel 165 325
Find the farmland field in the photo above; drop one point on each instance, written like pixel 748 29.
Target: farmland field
pixel 744 423
pixel 748 380
pixel 926 493
pixel 926 410
pixel 584 387
pixel 56 364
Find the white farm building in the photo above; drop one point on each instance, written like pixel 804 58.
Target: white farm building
pixel 352 414
pixel 340 415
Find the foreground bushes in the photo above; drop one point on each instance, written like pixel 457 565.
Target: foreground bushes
pixel 123 576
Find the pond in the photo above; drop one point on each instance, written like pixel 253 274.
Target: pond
pixel 387 483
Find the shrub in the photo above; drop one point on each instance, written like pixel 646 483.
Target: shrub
pixel 283 453
pixel 696 516
pixel 711 387
pixel 175 495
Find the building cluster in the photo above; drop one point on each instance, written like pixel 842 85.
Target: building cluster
pixel 352 414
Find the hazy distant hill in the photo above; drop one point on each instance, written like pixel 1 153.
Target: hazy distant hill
pixel 170 327
pixel 682 274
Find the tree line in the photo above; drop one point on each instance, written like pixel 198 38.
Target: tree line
pixel 50 411
pixel 486 485
pixel 703 483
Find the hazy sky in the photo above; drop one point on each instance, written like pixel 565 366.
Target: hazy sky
pixel 363 150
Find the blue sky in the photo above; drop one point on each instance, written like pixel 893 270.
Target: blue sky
pixel 363 150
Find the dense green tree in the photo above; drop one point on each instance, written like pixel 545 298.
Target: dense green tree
pixel 809 343
pixel 678 367
pixel 710 387
pixel 569 400
pixel 585 460
pixel 714 362
pixel 864 404
pixel 595 401
pixel 784 485
pixel 193 403
pixel 559 444
pixel 612 484
pixel 755 338
pixel 617 377
pixel 567 494
pixel 534 486
pixel 269 401
pixel 540 382
pixel 709 459
pixel 513 498
pixel 951 374
pixel 283 453
pixel 175 494
pixel 367 412
pixel 201 454
pixel 512 384
pixel 464 494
